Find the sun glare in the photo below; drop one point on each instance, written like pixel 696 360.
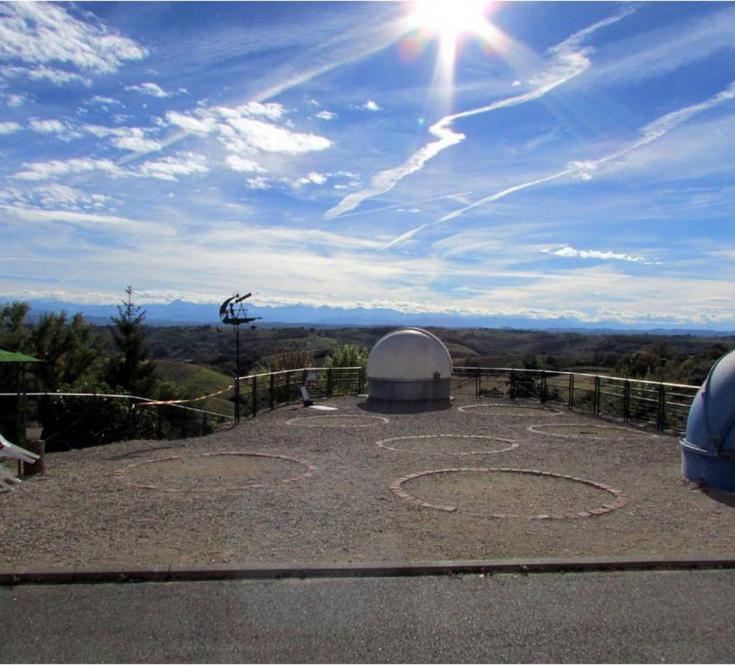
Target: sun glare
pixel 449 21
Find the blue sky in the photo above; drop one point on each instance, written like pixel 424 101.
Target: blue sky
pixel 573 160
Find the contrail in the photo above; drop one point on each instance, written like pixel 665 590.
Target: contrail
pixel 406 203
pixel 649 133
pixel 568 62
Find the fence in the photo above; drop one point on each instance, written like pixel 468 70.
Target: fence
pixel 664 406
pixel 79 419
pixel 258 392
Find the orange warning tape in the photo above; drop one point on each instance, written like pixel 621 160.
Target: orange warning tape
pixel 182 401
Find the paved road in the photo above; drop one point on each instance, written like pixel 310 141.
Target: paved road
pixel 630 616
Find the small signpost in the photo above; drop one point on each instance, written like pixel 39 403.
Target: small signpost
pixel 234 313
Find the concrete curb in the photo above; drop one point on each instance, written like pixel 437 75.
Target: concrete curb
pixel 352 570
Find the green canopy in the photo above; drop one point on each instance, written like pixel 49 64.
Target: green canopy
pixel 12 357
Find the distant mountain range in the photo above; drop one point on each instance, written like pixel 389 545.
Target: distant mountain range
pixel 179 312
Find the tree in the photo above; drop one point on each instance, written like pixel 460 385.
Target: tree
pixel 131 367
pixel 70 350
pixel 14 332
pixel 347 355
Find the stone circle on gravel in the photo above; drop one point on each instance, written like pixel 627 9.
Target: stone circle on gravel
pixel 452 490
pixel 453 444
pixel 587 431
pixel 494 409
pixel 337 421
pixel 217 471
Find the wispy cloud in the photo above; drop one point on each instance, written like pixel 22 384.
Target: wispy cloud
pixel 568 60
pixel 173 166
pixel 325 115
pixel 149 88
pixel 585 168
pixel 46 33
pixel 569 252
pixel 9 127
pixel 57 168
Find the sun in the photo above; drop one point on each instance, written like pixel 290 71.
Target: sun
pixel 448 19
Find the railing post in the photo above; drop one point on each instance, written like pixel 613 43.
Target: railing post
pixel 626 400
pixel 570 402
pixel 661 419
pixel 512 386
pixel 159 423
pixel 543 395
pixel 361 387
pixel 272 396
pixel 204 424
pixel 288 387
pixel 254 395
pixel 131 405
pixel 478 386
pixel 237 398
pixel 597 396
pixel 330 379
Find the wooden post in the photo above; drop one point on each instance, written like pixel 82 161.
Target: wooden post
pixel 288 387
pixel 626 400
pixel 254 395
pixel 661 416
pixel 272 396
pixel 330 379
pixel 570 403
pixel 597 396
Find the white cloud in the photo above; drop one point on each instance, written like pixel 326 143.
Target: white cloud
pixel 311 178
pixel 56 76
pixel 326 115
pixel 258 182
pixel 14 101
pixel 41 33
pixel 570 252
pixel 149 88
pixel 53 126
pixel 270 111
pixel 99 99
pixel 252 134
pixel 58 168
pixel 203 125
pixel 180 164
pixel 241 165
pixel 9 127
pixel 568 60
pixel 133 138
pixel 371 105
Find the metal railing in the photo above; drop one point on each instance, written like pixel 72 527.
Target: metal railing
pixel 664 406
pixel 95 418
pixel 268 390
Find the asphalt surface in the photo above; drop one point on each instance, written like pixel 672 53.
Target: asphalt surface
pixel 683 616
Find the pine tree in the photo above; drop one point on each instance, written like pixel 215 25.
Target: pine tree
pixel 131 368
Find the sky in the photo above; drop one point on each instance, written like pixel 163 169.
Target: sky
pixel 542 160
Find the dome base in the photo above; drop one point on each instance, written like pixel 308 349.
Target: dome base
pixel 701 466
pixel 408 391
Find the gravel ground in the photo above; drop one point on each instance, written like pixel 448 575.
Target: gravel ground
pixel 330 500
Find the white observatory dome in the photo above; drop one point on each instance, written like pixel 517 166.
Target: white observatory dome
pixel 410 354
pixel 409 365
pixel 708 451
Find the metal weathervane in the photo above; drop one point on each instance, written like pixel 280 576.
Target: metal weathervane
pixel 234 313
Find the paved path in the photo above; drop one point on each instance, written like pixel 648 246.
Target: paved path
pixel 584 617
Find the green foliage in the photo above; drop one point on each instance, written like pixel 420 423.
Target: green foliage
pixel 70 350
pixel 347 355
pixel 131 367
pixel 14 331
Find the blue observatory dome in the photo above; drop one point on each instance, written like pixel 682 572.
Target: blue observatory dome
pixel 708 451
